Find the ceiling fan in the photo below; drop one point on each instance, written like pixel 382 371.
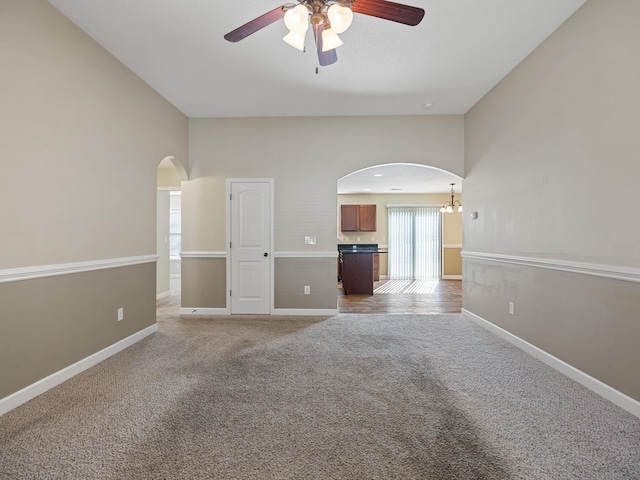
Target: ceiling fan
pixel 327 18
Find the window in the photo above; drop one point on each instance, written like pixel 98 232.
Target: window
pixel 175 223
pixel 414 242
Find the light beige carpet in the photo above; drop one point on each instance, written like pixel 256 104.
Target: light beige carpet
pixel 348 397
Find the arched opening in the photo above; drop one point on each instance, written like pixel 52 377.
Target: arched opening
pixel 170 175
pixel 409 188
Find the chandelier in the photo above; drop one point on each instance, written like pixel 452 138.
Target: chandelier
pixel 449 206
pixel 330 20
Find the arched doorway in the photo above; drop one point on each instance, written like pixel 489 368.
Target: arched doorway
pixel 410 186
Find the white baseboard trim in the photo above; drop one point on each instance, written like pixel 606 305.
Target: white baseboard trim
pixel 203 311
pixel 163 295
pixel 275 311
pixel 284 254
pixel 22 396
pixel 620 399
pixel 305 311
pixel 452 277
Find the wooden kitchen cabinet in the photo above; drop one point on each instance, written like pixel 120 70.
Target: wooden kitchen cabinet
pixel 357 273
pixel 376 267
pixel 349 218
pixel 358 218
pixel 368 218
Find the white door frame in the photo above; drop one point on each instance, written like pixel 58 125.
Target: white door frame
pixel 271 237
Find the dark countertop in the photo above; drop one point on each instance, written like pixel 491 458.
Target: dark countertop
pixel 359 248
pixel 354 252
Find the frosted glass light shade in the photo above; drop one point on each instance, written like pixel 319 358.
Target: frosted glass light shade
pixel 330 40
pixel 460 208
pixel 295 39
pixel 340 17
pixel 449 209
pixel 297 19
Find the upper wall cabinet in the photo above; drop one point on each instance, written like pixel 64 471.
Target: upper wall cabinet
pixel 349 218
pixel 358 218
pixel 368 218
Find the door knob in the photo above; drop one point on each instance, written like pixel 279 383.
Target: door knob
pixel 266 254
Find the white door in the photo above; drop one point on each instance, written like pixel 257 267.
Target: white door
pixel 250 248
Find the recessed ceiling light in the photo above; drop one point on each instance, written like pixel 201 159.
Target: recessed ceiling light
pixel 377 175
pixel 366 189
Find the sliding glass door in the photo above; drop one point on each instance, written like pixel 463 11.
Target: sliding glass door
pixel 414 242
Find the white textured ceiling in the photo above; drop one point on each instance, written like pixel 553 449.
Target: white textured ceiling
pixel 456 55
pixel 399 178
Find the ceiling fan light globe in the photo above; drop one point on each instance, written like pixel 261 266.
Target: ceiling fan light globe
pixel 297 19
pixel 295 39
pixel 340 17
pixel 330 40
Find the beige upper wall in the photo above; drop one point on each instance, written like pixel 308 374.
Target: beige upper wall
pixel 306 157
pixel 552 152
pixel 169 178
pixel 81 138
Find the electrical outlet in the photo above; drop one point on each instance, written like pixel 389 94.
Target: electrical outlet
pixel 307 290
pixel 511 308
pixel 310 240
pixel 120 313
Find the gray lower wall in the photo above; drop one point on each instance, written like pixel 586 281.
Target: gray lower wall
pixel 204 282
pixel 291 276
pixel 51 323
pixel 588 322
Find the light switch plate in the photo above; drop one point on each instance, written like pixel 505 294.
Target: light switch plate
pixel 310 240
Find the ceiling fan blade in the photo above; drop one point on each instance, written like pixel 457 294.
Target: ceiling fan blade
pixel 324 58
pixel 395 12
pixel 256 24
